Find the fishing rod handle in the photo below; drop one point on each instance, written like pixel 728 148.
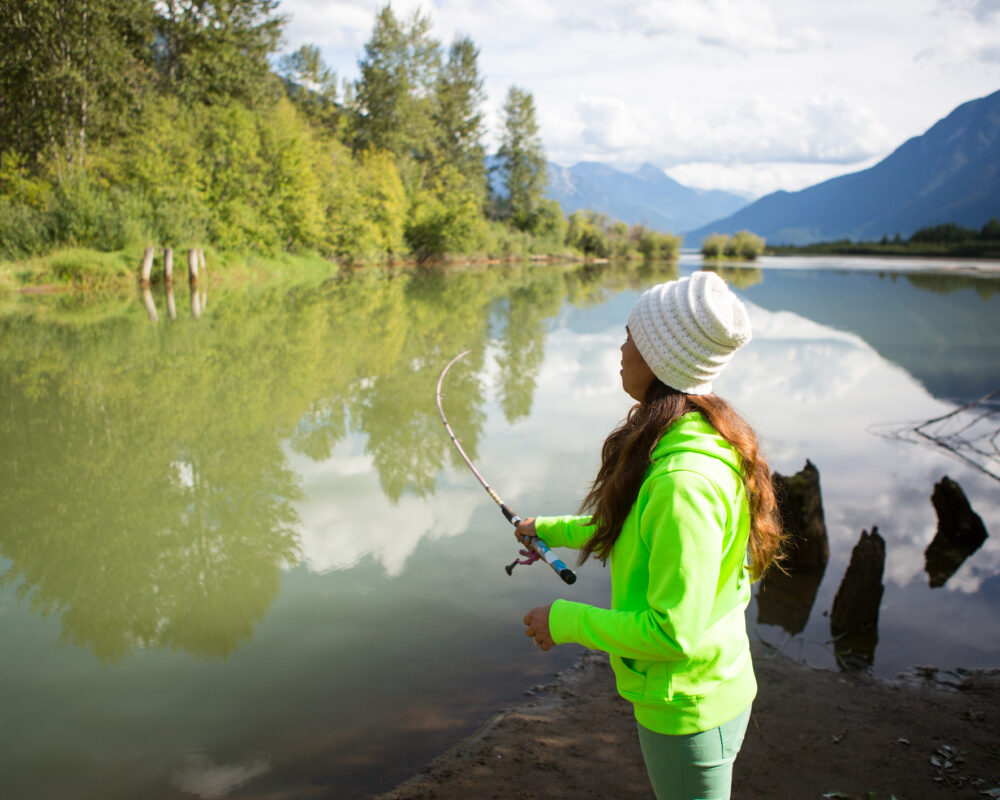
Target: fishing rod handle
pixel 550 558
pixel 558 567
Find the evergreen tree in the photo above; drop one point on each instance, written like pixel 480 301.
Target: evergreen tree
pixel 393 96
pixel 310 84
pixel 214 52
pixel 522 159
pixel 458 117
pixel 69 73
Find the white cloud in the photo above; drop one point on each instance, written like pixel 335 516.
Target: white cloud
pixel 752 93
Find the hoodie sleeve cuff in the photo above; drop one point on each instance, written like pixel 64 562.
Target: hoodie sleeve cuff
pixel 564 619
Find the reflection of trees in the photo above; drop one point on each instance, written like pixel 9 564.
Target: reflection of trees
pixel 522 344
pixel 147 499
pixel 945 283
pixel 141 528
pixel 737 277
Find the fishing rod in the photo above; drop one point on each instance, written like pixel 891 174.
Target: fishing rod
pixel 537 549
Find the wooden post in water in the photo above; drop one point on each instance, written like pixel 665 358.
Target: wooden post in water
pixel 168 265
pixel 147 301
pixel 147 266
pixel 201 259
pixel 193 266
pixel 195 305
pixel 171 306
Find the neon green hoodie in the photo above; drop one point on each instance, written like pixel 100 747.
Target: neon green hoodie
pixel 675 631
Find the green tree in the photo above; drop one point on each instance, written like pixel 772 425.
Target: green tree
pixel 393 96
pixel 311 85
pixel 457 114
pixel 217 52
pixel 70 73
pixel 522 159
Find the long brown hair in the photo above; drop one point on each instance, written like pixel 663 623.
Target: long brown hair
pixel 626 455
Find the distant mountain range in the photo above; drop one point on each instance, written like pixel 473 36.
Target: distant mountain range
pixel 646 196
pixel 949 174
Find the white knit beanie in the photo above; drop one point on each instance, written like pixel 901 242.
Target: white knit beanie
pixel 687 330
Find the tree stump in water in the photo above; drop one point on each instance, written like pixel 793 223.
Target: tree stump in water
pixel 960 532
pixel 801 506
pixel 168 265
pixel 854 618
pixel 786 598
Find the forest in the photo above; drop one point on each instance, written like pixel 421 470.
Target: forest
pixel 175 123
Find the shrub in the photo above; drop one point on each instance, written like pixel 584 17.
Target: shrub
pixel 714 246
pixel 24 230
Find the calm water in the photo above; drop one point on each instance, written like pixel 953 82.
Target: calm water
pixel 239 559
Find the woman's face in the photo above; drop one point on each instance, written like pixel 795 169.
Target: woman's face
pixel 636 374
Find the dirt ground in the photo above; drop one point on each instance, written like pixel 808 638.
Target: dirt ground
pixel 813 734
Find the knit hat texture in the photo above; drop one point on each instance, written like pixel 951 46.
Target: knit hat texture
pixel 687 330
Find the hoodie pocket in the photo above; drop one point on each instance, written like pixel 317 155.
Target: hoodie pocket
pixel 630 675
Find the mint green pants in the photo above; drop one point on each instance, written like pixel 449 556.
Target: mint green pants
pixel 696 766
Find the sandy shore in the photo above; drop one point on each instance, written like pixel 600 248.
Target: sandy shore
pixel 813 733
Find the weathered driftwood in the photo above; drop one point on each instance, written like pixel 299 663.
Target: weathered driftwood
pixel 960 532
pixel 146 270
pixel 168 265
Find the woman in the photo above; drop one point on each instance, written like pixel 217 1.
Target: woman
pixel 683 508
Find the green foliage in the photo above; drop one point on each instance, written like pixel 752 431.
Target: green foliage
pixel 217 52
pixel 127 123
pixel 522 159
pixel 447 217
pixel 392 102
pixel 586 233
pixel 947 239
pixel 742 245
pixel 655 246
pixel 24 230
pixel 366 206
pixel 311 86
pixel 70 74
pixel 458 121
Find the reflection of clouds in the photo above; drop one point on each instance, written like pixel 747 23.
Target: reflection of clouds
pixel 202 777
pixel 809 390
pixel 346 517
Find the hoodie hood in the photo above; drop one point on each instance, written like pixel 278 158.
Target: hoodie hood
pixel 692 433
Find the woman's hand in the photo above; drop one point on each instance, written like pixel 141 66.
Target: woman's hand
pixel 525 529
pixel 537 626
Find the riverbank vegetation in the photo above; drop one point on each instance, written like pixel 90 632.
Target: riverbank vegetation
pixel 947 239
pixel 742 246
pixel 131 123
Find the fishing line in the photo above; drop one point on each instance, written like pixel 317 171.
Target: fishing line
pixel 537 549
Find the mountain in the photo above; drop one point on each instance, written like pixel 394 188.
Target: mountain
pixel 949 174
pixel 646 195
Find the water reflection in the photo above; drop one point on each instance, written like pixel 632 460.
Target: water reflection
pixel 151 502
pixel 272 482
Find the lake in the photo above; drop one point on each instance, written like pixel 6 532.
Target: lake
pixel 240 557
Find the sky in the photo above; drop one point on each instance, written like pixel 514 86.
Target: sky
pixel 749 96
